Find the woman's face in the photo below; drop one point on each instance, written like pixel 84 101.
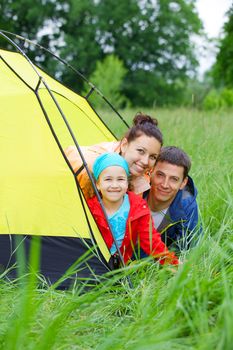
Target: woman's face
pixel 140 153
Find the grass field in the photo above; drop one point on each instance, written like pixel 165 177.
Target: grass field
pixel 188 308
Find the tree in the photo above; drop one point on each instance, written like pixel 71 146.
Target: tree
pixel 223 69
pixel 30 19
pixel 152 39
pixel 113 71
pixel 80 49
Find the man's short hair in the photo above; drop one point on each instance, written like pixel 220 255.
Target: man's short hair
pixel 175 156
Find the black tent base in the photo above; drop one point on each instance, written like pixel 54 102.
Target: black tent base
pixel 59 257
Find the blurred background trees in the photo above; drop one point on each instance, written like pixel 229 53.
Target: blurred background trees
pixel 223 68
pixel 149 42
pixel 221 73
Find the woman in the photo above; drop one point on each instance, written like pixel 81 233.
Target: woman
pixel 140 147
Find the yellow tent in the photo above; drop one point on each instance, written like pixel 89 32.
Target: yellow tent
pixel 39 194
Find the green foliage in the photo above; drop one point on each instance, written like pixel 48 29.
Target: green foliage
pixel 108 78
pixel 218 99
pixel 211 101
pixel 80 49
pixel 227 97
pixel 195 92
pixel 152 89
pixel 30 18
pixel 223 69
pixel 151 38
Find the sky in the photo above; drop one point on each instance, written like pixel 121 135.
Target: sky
pixel 212 13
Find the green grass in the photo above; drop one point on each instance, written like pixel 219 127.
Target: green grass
pixel 186 308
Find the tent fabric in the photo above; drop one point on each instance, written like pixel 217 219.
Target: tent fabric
pixel 39 193
pixel 57 256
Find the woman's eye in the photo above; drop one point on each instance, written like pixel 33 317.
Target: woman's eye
pixel 153 157
pixel 141 151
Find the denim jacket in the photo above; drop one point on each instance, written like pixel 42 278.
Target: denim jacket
pixel 179 228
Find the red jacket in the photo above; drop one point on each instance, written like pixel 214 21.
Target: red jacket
pixel 139 229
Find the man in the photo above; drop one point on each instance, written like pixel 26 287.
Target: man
pixel 172 199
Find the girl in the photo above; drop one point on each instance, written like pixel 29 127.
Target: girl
pixel 140 147
pixel 128 214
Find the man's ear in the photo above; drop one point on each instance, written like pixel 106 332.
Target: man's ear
pixel 184 183
pixel 123 146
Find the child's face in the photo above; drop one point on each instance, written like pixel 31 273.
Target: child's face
pixel 113 184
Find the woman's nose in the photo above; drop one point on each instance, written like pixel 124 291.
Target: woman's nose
pixel 145 160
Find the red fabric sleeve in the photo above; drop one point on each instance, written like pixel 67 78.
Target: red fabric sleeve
pixel 151 242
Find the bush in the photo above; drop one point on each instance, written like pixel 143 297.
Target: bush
pixel 108 78
pixel 227 98
pixel 218 99
pixel 211 101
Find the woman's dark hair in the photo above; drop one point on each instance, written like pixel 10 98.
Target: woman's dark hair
pixel 144 124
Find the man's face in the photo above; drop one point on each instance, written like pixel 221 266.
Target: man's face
pixel 166 180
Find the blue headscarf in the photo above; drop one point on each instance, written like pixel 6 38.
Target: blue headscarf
pixel 109 159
